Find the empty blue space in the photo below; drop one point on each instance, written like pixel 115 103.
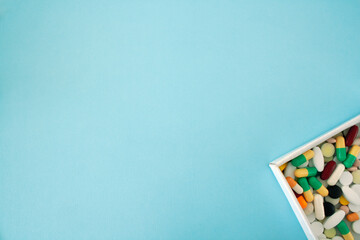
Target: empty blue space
pixel 150 120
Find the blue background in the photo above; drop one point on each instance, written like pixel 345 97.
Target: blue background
pixel 157 120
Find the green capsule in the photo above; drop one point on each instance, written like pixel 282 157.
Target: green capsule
pixel 343 228
pixel 304 184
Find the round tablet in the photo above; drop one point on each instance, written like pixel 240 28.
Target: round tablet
pixel 356 226
pixel 311 217
pixel 330 233
pixel 356 163
pixel 345 209
pixel 327 149
pixel 353 207
pixel 331 140
pixel 329 209
pixel 337 238
pixel 317 228
pixel 352 169
pixel 346 178
pixel 334 191
pixel 331 200
pixel 356 176
pixel 322 237
pixel 309 209
pixel 328 159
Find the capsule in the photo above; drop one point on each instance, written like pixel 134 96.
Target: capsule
pixel 345 231
pixel 340 148
pixel 294 185
pixel 317 185
pixel 305 172
pixel 328 170
pixel 303 158
pixel 351 135
pixel 352 217
pixel 306 189
pixel 343 201
pixel 351 195
pixel 351 157
pixel 335 176
pixel 302 202
pixel 282 167
pixel 318 159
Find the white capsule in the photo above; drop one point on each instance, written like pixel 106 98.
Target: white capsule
pixel 335 176
pixel 334 219
pixel 290 171
pixel 350 195
pixel 318 159
pixel 319 207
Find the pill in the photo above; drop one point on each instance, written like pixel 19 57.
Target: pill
pixel 305 172
pixel 289 170
pixel 345 209
pixel 345 231
pixel 356 188
pixel 309 209
pixel 323 182
pixel 351 135
pixel 351 195
pixel 331 200
pixel 330 233
pixel 317 185
pixel 319 207
pixel 343 201
pixel 328 159
pixel 340 148
pixel 329 209
pixel 352 217
pixel 328 170
pixel 294 185
pixel 322 237
pixel 346 178
pixel 317 228
pixel 282 167
pixel 309 154
pixel 331 140
pixel 356 176
pixel 337 238
pixel 335 176
pixel 356 227
pixel 311 217
pixel 334 219
pixel 334 191
pixel 297 195
pixel 352 169
pixel 328 149
pixel 303 182
pixel 302 202
pixel 318 159
pixel 352 155
pixel 356 141
pixel 304 165
pixel 353 207
pixel 356 163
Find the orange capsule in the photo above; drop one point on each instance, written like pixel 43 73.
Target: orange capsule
pixel 294 185
pixel 302 202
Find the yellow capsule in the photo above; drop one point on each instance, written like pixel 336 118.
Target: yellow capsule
pixel 309 154
pixel 343 201
pixel 323 191
pixel 355 150
pixel 348 236
pixel 282 167
pixel 309 197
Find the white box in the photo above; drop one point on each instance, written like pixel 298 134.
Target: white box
pixel 289 156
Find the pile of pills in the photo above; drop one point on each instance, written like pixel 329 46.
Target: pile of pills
pixel 326 182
